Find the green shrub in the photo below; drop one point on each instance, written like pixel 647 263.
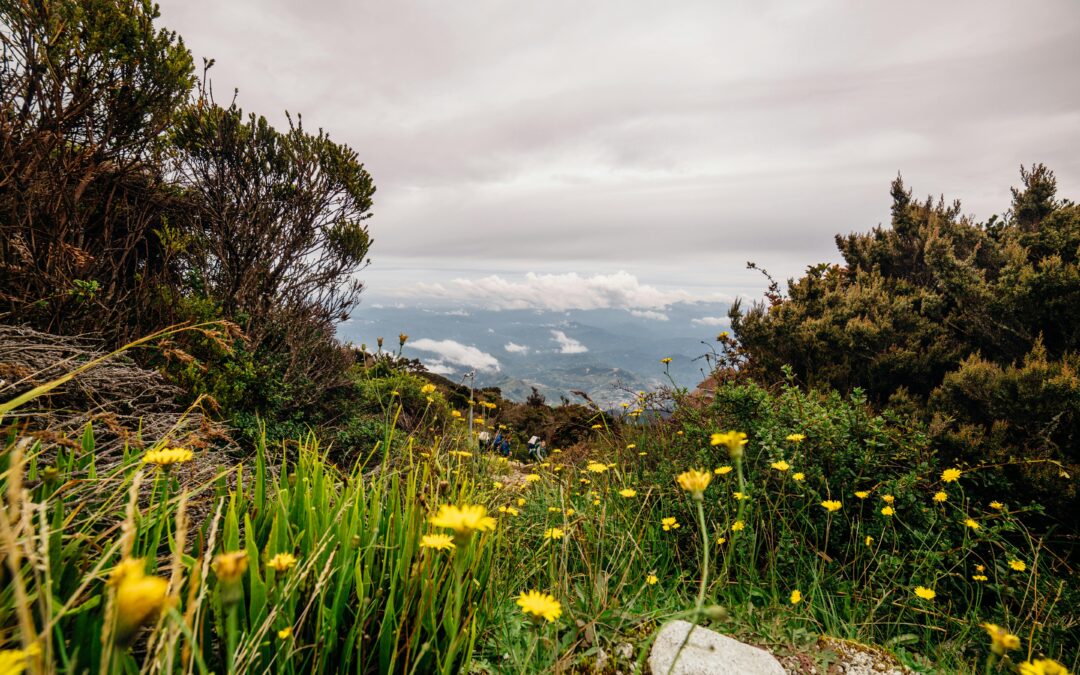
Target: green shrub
pixel 968 324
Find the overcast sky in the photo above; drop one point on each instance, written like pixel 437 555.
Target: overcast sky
pixel 672 141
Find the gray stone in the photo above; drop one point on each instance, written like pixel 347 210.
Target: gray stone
pixel 707 653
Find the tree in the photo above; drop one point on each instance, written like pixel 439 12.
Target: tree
pixel 277 233
pixel 88 89
pixel 973 324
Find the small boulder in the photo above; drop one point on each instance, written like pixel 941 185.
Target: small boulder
pixel 707 653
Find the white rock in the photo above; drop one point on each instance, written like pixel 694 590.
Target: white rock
pixel 707 653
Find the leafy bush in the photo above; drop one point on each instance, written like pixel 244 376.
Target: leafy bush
pixel 966 323
pixel 88 90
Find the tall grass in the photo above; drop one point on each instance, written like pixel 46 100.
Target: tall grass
pixel 587 527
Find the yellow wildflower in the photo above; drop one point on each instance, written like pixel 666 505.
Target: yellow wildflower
pixel 521 501
pixel 796 597
pixel 463 520
pixel 1043 667
pixel 1018 565
pixel 796 438
pixel 15 661
pixel 1001 640
pixel 734 440
pixel 722 470
pixel 652 579
pixel 831 505
pixel 888 511
pixel 596 467
pixel 997 506
pixel 598 426
pixel 862 494
pixel 427 389
pixel 127 567
pixel 970 522
pixel 978 577
pixel 940 497
pixel 229 567
pixel 628 492
pixel 285 633
pixel 532 477
pixel 540 605
pixel 781 465
pixel 925 593
pixel 439 542
pixel 694 482
pixel 139 599
pixel 869 540
pixel 720 541
pixel 669 524
pixel 798 476
pixel 553 533
pixel 738 526
pixel 739 496
pixel 950 475
pixel 282 562
pixel 166 457
pixel 666 360
pixel 888 499
pixel 509 510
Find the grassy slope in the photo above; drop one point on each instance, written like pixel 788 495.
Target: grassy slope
pixel 365 596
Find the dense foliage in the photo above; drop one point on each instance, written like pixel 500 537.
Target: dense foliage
pixel 970 324
pixel 129 201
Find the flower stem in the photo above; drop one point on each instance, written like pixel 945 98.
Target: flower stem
pixel 704 582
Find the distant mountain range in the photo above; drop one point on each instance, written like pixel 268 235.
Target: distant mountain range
pixel 608 353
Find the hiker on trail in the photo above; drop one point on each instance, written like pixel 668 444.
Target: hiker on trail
pixel 496 443
pixel 537 449
pixel 504 447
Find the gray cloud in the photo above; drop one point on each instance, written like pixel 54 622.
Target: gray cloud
pixel 682 137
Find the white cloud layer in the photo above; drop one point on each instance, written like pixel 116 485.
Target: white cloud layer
pixel 557 292
pixel 515 348
pixel 568 345
pixel 649 314
pixel 711 321
pixel 450 351
pixel 439 368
